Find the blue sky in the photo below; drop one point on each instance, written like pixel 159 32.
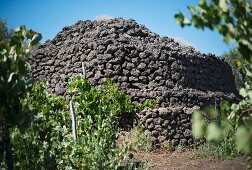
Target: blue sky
pixel 50 16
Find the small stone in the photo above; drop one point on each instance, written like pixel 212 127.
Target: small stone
pixel 148 114
pixel 135 72
pixel 133 79
pixel 158 128
pixel 154 114
pixel 155 133
pixel 166 123
pixel 187 133
pixel 164 132
pixel 177 136
pixel 161 138
pixel 173 122
pixel 163 112
pixel 174 113
pixel 151 126
pixel 157 146
pixel 172 132
pixel 147 132
pixel 174 142
pixel 154 140
pixel 141 66
pixel 157 121
pixel 149 120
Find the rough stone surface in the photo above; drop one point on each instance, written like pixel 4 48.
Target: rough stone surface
pixel 146 66
pixel 175 131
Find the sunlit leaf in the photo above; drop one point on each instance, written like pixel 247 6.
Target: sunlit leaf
pixel 223 5
pixel 11 76
pixel 211 111
pixel 202 3
pixel 226 127
pixel 238 64
pixel 35 39
pixel 243 92
pixel 243 140
pixel 180 18
pixel 214 132
pixel 198 126
pixel 224 106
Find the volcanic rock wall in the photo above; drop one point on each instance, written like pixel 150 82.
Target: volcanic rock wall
pixel 170 123
pixel 145 65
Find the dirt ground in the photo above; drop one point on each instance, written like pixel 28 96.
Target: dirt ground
pixel 188 160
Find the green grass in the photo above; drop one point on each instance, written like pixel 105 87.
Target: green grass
pixel 226 149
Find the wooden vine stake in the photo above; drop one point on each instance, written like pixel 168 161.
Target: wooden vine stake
pixel 72 110
pixel 73 116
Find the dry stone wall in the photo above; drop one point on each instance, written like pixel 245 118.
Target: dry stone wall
pixel 170 123
pixel 144 64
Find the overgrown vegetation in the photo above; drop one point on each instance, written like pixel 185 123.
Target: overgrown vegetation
pixel 49 142
pixel 235 60
pixel 138 139
pixel 226 149
pixel 232 123
pixel 5 32
pixel 15 84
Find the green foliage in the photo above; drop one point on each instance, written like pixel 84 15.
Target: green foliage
pixel 235 60
pixel 148 103
pixel 44 143
pixel 105 101
pixel 5 33
pixel 198 125
pixel 181 147
pixel 226 148
pixel 48 142
pixel 232 18
pixel 232 124
pixel 15 82
pixel 139 139
pixel 98 110
pixel 228 130
pixel 167 146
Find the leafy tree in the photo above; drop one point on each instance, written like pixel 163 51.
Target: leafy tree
pixel 233 20
pixel 5 33
pixel 15 83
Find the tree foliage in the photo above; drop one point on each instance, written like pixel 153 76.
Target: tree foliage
pixel 233 20
pixel 15 81
pixel 235 60
pixel 5 33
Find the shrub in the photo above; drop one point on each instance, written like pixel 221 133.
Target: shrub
pixel 138 139
pixel 15 84
pixel 226 149
pixel 232 18
pixel 48 143
pixel 233 57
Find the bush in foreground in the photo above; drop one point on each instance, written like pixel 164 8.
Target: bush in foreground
pixel 48 143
